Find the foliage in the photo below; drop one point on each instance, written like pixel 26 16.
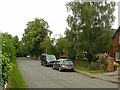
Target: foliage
pixel 89 27
pixel 16 42
pixel 90 71
pixel 10 45
pixel 93 66
pixel 102 61
pixel 7 55
pixel 15 78
pixel 34 34
pixel 82 63
pixel 116 64
pixel 47 45
pixel 61 46
pixel 104 42
pixel 21 51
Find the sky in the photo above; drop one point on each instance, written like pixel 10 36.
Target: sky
pixel 15 14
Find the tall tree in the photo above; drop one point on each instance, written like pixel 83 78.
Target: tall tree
pixel 61 46
pixel 47 45
pixel 34 34
pixel 16 42
pixel 21 50
pixel 89 23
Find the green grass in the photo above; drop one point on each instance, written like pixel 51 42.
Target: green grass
pixel 88 70
pixel 16 79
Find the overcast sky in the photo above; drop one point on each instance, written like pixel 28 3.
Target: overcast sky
pixel 14 15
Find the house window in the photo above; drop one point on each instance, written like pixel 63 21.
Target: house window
pixel 119 39
pixel 117 56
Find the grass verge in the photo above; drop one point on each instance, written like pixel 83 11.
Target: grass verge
pixel 15 78
pixel 88 70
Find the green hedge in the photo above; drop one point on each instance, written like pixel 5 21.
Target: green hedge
pixel 16 79
pixel 10 71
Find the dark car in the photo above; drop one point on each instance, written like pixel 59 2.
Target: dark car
pixel 63 64
pixel 47 60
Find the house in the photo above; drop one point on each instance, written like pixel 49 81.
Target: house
pixel 116 45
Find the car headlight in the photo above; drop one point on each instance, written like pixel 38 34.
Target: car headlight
pixel 48 61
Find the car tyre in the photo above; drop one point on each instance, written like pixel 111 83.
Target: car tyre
pixel 72 70
pixel 41 63
pixel 53 67
pixel 60 69
pixel 45 65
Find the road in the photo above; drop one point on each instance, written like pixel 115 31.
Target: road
pixel 37 76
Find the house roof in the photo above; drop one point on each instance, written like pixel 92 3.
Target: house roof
pixel 118 30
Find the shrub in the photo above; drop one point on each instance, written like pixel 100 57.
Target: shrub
pixel 116 64
pixel 93 66
pixel 7 54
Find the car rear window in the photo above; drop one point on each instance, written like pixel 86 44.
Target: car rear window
pixel 67 62
pixel 51 57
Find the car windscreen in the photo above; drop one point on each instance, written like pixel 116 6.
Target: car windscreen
pixel 67 62
pixel 51 58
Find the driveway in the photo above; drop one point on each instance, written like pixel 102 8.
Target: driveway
pixel 37 76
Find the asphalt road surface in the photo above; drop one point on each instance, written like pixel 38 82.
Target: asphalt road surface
pixel 37 76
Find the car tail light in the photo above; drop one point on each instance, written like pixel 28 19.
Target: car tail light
pixel 73 65
pixel 63 65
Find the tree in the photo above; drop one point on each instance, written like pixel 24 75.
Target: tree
pixel 89 23
pixel 61 46
pixel 34 35
pixel 16 42
pixel 47 45
pixel 21 51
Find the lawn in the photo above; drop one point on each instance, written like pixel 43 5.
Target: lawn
pixel 15 78
pixel 88 70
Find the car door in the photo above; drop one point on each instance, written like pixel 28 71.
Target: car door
pixel 57 64
pixel 44 60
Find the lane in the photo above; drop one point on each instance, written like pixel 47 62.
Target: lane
pixel 37 76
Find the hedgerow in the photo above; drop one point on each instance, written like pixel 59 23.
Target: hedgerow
pixel 6 55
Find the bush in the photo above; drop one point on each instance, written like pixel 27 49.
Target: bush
pixel 116 64
pixel 7 54
pixel 82 63
pixel 93 66
pixel 103 67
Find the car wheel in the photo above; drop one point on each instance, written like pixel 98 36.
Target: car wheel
pixel 45 65
pixel 60 69
pixel 72 70
pixel 53 67
pixel 41 63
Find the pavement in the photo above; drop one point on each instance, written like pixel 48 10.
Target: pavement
pixel 109 76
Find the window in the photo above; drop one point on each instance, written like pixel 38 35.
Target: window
pixel 67 62
pixel 51 57
pixel 119 39
pixel 117 56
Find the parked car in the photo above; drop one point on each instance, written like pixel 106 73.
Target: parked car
pixel 28 56
pixel 63 64
pixel 47 60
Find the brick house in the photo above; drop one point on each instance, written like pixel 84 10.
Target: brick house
pixel 116 45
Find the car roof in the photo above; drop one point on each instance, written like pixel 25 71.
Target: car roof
pixel 63 59
pixel 48 55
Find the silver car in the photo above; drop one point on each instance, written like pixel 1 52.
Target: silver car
pixel 47 60
pixel 63 64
